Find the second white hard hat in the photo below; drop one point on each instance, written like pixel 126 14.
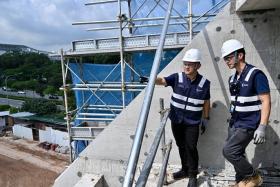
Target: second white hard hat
pixel 230 46
pixel 192 55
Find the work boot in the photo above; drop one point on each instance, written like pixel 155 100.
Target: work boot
pixel 241 184
pixel 180 174
pixel 233 185
pixel 192 182
pixel 254 181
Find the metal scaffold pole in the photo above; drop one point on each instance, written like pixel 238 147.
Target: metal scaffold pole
pixel 120 17
pixel 66 103
pixel 137 142
pixel 190 20
pixel 129 17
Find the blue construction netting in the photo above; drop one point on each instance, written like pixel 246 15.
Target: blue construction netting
pixel 91 73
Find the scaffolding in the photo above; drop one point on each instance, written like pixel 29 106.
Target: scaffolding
pixel 128 41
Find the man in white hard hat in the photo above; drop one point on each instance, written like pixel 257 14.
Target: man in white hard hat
pixel 250 110
pixel 190 104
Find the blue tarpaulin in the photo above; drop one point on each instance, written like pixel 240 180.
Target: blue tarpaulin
pixel 90 73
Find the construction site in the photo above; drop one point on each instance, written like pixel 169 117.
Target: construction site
pixel 116 142
pixel 119 134
pixel 23 163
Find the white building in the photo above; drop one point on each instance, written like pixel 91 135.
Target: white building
pixel 3 119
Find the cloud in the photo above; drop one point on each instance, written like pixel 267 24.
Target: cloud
pixel 47 24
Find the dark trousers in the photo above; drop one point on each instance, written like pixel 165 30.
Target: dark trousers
pixel 234 151
pixel 186 138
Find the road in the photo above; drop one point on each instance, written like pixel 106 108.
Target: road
pixel 18 103
pixel 11 102
pixel 28 93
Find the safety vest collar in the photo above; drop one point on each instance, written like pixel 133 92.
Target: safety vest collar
pixel 201 82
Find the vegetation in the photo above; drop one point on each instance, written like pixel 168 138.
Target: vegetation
pixel 40 106
pixel 4 107
pixel 30 71
pixel 36 72
pixel 8 108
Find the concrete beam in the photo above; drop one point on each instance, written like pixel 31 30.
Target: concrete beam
pixel 250 5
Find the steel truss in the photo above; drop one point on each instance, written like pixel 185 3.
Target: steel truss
pixel 126 42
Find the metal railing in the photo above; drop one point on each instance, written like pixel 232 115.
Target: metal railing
pixel 160 136
pixel 137 143
pixel 162 176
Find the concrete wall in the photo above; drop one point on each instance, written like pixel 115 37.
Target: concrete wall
pixel 249 5
pixel 259 31
pixel 2 121
pixel 54 136
pixel 22 132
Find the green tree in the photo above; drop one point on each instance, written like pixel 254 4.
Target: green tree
pixel 50 90
pixel 32 84
pixel 40 106
pixel 36 68
pixel 4 107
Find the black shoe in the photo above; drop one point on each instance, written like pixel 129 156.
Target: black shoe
pixel 180 175
pixel 192 182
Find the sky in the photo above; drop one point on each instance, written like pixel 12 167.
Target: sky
pixel 47 24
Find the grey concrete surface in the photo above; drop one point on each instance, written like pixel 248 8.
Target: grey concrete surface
pixel 249 5
pixel 109 152
pixel 91 180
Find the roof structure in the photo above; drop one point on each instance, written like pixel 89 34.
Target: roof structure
pixel 4 113
pixel 22 114
pixel 46 119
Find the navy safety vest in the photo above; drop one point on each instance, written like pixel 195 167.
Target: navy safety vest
pixel 187 100
pixel 245 103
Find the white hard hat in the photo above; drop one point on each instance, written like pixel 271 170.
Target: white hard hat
pixel 230 46
pixel 192 55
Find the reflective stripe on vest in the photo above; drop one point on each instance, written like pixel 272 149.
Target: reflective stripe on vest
pixel 250 73
pixel 248 108
pixel 242 99
pixel 181 106
pixel 201 83
pixel 247 76
pixel 232 78
pixel 180 77
pixel 190 100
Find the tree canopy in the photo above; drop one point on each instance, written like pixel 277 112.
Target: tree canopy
pixel 40 106
pixel 30 71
